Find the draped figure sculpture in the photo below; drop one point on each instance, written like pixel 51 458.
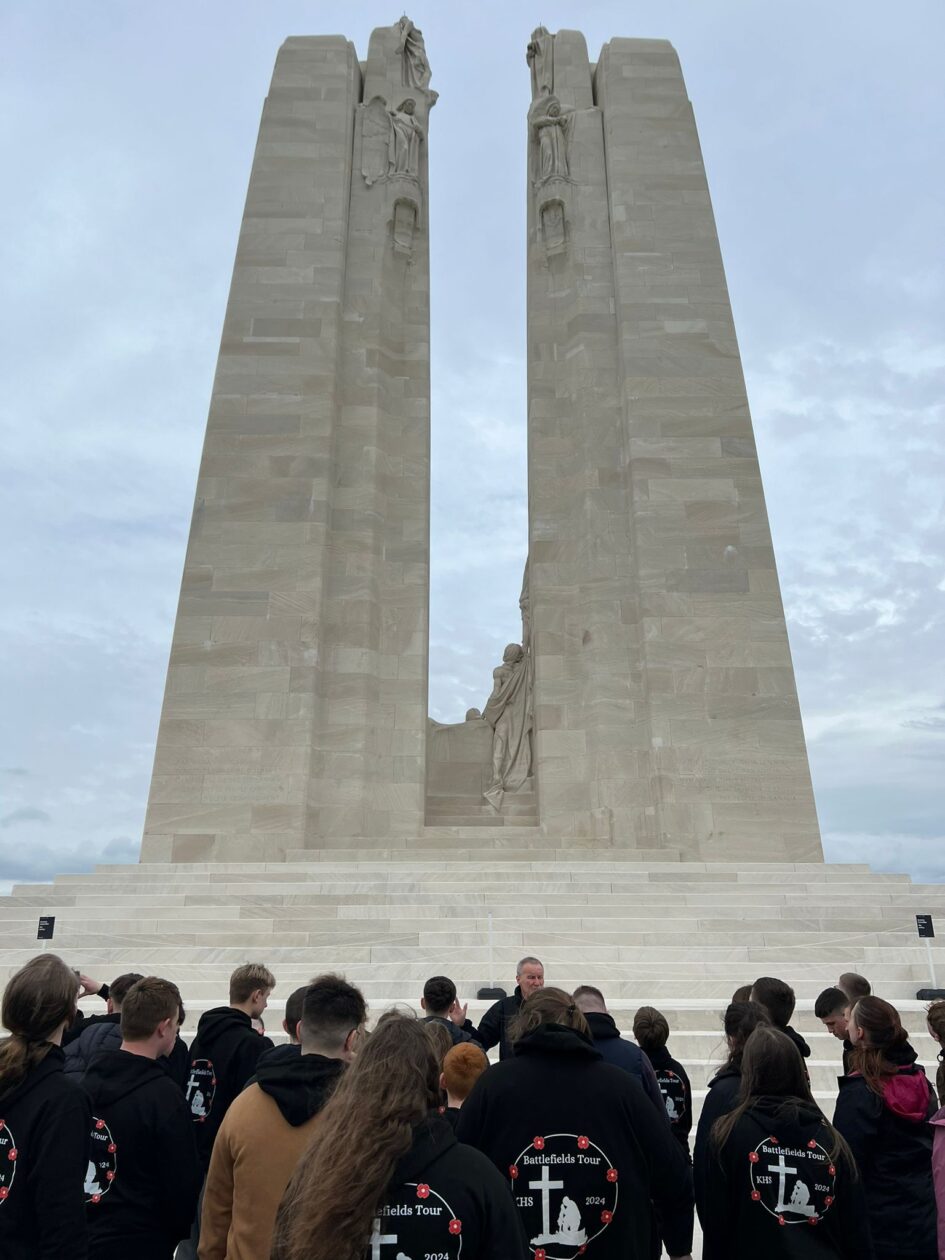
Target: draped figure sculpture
pixel 509 712
pixel 551 126
pixel 415 67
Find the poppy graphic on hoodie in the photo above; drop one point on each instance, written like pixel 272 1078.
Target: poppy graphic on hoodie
pixel 103 1161
pixel 795 1184
pixel 8 1154
pixel 417 1217
pixel 566 1191
pixel 201 1088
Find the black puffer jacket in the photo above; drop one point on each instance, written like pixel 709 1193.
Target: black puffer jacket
pixel 891 1141
pixel 104 1034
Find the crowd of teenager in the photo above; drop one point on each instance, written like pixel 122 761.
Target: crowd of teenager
pixel 120 1142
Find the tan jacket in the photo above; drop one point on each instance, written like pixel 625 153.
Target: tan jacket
pixel 254 1156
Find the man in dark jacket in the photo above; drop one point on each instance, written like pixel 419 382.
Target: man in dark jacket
pixel 832 1009
pixel 225 1052
pixel 143 1176
pixel 273 1121
pixel 777 998
pixel 102 1032
pixel 612 1047
pixel 494 1026
pixel 441 1006
pixel 584 1149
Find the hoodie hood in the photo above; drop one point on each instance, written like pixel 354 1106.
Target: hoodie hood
pixel 907 1094
pixel 770 1111
pixel 53 1062
pixel 219 1023
pixel 557 1039
pixel 603 1026
pixel 432 1138
pixel 299 1086
pixel 798 1040
pixel 114 1074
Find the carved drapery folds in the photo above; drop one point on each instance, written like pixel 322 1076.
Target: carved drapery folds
pixel 509 712
pixel 390 141
pixel 415 70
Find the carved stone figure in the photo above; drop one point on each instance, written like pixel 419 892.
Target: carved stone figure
pixel 406 136
pixel 416 68
pixel 540 57
pixel 473 715
pixel 509 713
pixel 390 141
pixel 553 229
pixel 551 126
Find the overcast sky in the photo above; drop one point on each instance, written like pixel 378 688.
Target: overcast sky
pixel 127 136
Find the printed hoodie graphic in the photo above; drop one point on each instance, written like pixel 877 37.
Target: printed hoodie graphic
pixel 223 1058
pixel 142 1176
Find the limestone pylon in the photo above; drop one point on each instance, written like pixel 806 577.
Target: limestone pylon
pixel 654 705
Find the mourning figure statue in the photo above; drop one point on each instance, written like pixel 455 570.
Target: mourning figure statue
pixel 551 125
pixel 509 713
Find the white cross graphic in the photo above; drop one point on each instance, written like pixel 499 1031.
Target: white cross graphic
pixel 782 1170
pixel 378 1239
pixel 546 1185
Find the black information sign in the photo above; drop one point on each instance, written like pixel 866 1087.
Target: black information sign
pixel 923 923
pixel 47 925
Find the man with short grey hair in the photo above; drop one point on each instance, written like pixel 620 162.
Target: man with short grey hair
pixel 494 1025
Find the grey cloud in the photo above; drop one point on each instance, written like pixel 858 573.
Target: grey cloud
pixel 27 814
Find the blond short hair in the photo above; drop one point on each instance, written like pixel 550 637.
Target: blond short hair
pixel 245 981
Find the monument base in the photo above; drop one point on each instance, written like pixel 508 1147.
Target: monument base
pixel 646 930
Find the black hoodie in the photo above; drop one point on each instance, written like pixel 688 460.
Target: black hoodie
pixel 773 1190
pixel 798 1040
pixel 299 1085
pixel 286 1053
pixel 44 1135
pixel 674 1086
pixel 443 1198
pixel 223 1057
pixel 587 1153
pixel 722 1098
pixel 142 1178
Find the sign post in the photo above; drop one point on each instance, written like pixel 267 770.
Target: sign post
pixel 923 923
pixel 45 928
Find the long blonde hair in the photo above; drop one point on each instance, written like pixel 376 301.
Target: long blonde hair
pixel 38 999
pixel 393 1084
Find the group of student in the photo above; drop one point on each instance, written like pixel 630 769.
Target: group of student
pixel 118 1141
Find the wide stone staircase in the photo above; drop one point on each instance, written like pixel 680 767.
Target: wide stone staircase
pixel 678 935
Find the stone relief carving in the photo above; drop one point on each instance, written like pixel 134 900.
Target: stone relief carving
pixel 550 126
pixel 406 136
pixel 540 57
pixel 554 235
pixel 390 141
pixel 404 225
pixel 410 46
pixel 509 712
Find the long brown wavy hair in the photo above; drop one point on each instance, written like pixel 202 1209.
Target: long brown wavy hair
pixel 935 1015
pixel 547 1006
pixel 38 999
pixel 884 1032
pixel 367 1125
pixel 772 1068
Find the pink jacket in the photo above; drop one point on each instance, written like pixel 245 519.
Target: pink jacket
pixel 938 1175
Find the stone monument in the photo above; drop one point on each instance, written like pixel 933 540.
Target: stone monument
pixel 651 703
